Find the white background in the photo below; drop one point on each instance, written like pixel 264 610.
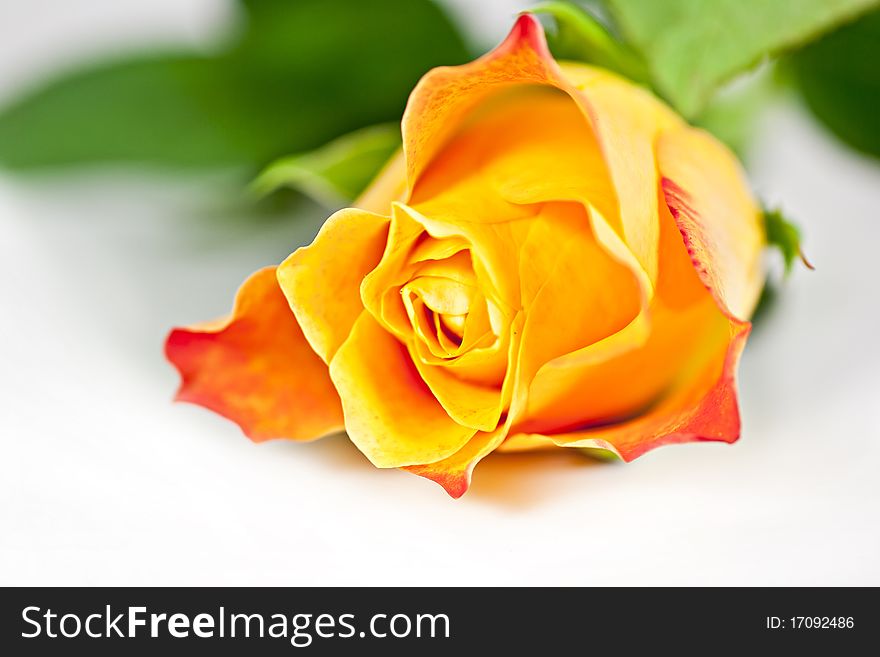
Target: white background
pixel 104 481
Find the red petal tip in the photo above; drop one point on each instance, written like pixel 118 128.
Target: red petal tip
pixel 528 30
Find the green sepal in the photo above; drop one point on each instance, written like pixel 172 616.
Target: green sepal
pixel 785 236
pixel 336 173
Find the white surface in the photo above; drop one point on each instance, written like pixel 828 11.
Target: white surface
pixel 104 481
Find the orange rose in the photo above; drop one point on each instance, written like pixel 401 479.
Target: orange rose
pixel 556 259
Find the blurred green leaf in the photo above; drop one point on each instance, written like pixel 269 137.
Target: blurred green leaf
pixel 732 113
pixel 785 236
pixel 580 36
pixel 171 109
pixel 839 77
pixel 693 46
pixel 730 120
pixel 300 73
pixel 336 173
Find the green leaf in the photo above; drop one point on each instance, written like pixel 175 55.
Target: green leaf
pixel 599 454
pixel 161 109
pixel 580 36
pixel 732 113
pixel 839 77
pixel 336 173
pixel 785 236
pixel 299 74
pixel 693 46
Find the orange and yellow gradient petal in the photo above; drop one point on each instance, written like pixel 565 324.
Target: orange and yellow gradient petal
pixel 256 368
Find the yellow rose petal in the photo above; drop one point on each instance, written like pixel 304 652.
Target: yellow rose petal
pixel 322 281
pixel 390 414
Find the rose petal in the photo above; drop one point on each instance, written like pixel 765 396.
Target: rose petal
pixel 625 120
pixel 444 95
pixel 407 253
pixel 526 146
pixel 615 386
pixel 454 472
pixel 256 368
pixel 493 246
pixel 390 414
pixel 380 288
pixel 677 387
pixel 469 404
pixel 623 374
pixel 707 194
pixel 576 282
pixel 322 281
pixel 706 409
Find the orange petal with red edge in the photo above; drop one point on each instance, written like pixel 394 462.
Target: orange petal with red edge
pixel 625 120
pixel 706 191
pixel 445 94
pixel 691 413
pixel 454 472
pixel 256 368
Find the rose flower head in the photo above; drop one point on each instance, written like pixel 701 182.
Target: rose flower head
pixel 555 259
